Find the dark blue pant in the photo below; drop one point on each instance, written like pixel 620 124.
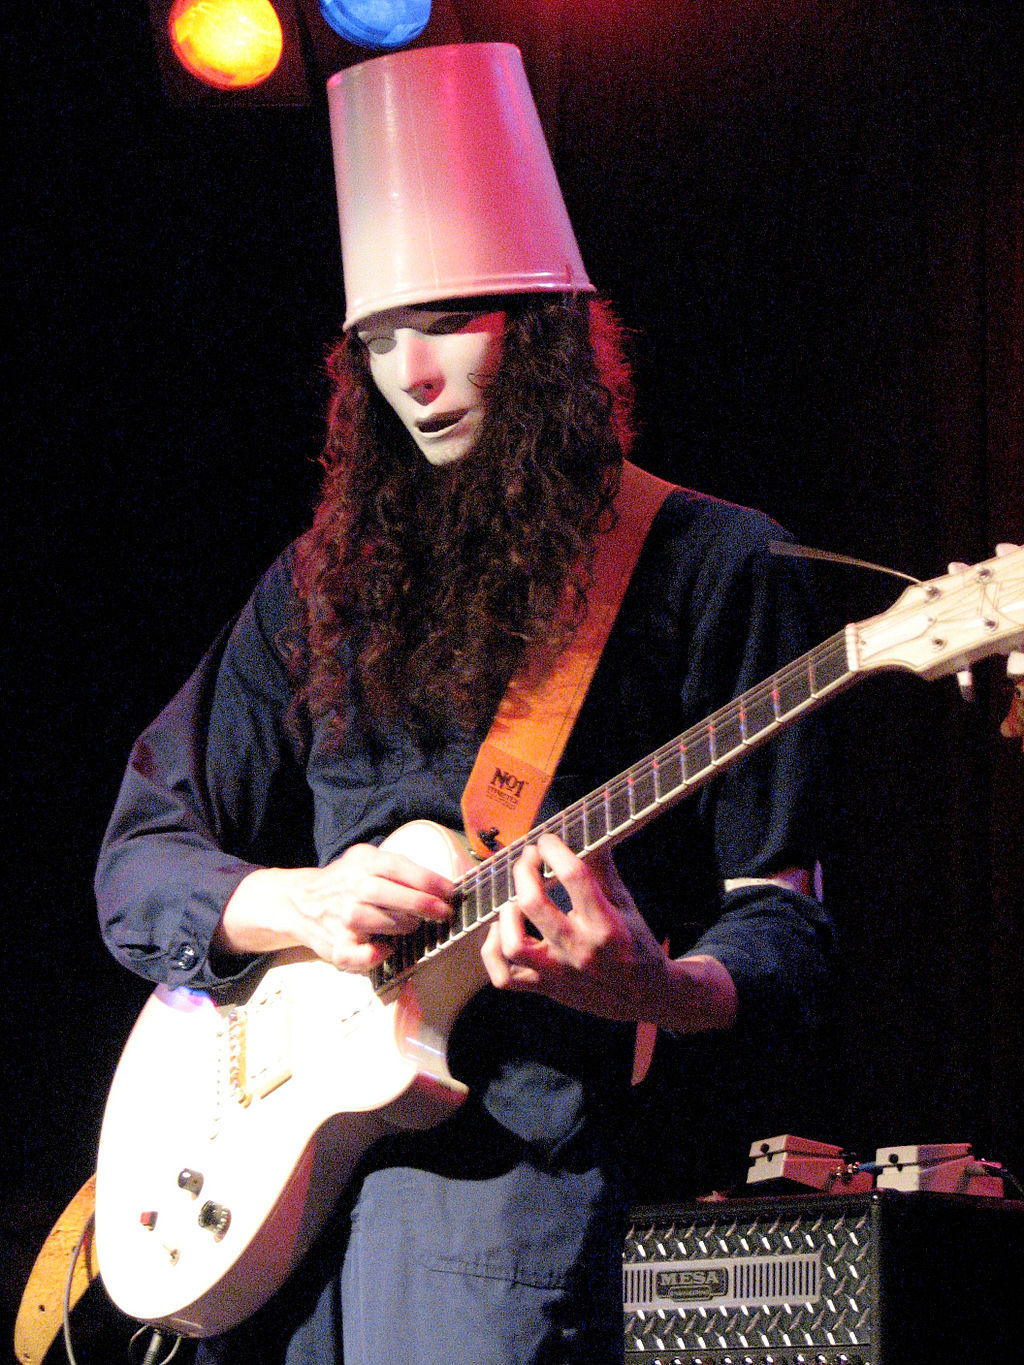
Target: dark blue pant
pixel 483 1252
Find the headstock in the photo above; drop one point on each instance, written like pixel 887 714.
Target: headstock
pixel 944 625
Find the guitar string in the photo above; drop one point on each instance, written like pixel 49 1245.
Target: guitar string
pixel 495 871
pixel 737 709
pixel 483 877
pixel 411 948
pixel 733 711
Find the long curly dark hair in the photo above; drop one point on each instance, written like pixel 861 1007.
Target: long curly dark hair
pixel 444 581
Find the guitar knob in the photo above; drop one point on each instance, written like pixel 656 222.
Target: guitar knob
pixel 190 1180
pixel 214 1218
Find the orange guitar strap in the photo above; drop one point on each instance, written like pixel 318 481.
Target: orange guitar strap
pixel 517 760
pixel 70 1248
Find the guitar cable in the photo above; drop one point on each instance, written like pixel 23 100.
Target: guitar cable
pixel 66 1307
pixel 979 1166
pixel 783 547
pixel 158 1339
pixel 155 1344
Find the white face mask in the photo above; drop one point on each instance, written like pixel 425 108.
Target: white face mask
pixel 433 365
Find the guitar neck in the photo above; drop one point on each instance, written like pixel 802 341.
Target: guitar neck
pixel 933 629
pixel 611 813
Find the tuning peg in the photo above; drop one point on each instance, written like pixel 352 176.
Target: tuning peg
pixel 964 678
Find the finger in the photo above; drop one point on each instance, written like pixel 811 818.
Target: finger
pixel 352 956
pixel 514 940
pixel 505 974
pixel 404 903
pixel 571 872
pixel 366 920
pixel 532 901
pixel 360 863
pixel 393 882
pixel 374 904
pixel 396 867
pixel 494 960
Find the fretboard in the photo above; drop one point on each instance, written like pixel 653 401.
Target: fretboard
pixel 611 813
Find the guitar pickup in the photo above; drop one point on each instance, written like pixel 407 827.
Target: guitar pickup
pixel 258 1047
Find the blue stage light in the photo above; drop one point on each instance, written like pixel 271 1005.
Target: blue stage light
pixel 377 23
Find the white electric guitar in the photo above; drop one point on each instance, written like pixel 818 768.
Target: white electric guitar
pixel 231 1128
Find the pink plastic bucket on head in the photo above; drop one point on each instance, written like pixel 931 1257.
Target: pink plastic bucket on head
pixel 445 184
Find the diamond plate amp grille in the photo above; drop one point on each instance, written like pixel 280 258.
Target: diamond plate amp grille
pixel 881 1278
pixel 709 1283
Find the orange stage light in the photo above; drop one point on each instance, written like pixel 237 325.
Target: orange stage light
pixel 229 44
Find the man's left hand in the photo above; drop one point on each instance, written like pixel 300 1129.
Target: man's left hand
pixel 599 956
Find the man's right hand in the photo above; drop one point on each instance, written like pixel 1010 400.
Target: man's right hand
pixel 344 912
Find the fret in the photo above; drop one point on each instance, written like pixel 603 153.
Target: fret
pixel 671 764
pixel 617 808
pixel 832 664
pixel 413 946
pixel 698 754
pixel 595 827
pixel 400 952
pixel 394 959
pixel 758 711
pixel 643 790
pixel 504 881
pixel 488 890
pixel 490 882
pixel 383 973
pixel 410 948
pixel 458 920
pixel 794 688
pixel 470 908
pixel 573 833
pixel 728 732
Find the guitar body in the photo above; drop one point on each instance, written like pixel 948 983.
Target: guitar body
pixel 231 1128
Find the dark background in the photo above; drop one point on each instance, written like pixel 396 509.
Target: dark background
pixel 810 213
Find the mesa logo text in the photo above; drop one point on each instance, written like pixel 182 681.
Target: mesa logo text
pixel 692 1286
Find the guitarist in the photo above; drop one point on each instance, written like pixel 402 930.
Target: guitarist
pixel 474 449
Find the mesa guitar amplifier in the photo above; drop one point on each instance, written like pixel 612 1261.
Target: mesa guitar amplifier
pixel 883 1278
